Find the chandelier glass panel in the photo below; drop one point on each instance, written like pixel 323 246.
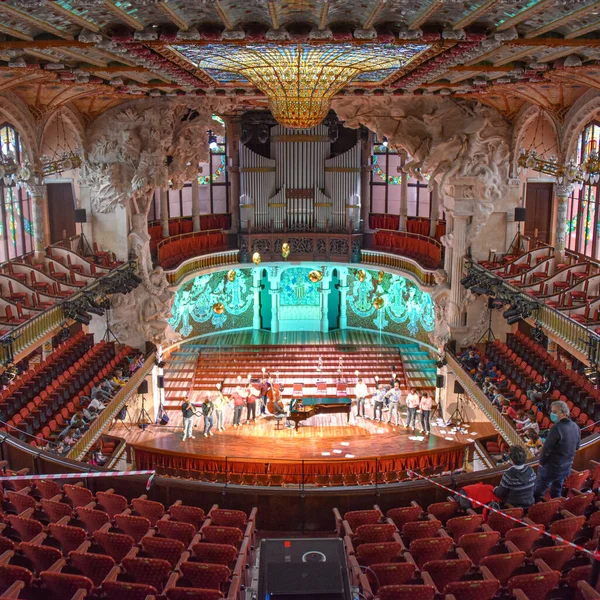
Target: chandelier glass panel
pixel 300 80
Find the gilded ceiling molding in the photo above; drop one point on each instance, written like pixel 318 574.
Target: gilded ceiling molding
pixel 580 114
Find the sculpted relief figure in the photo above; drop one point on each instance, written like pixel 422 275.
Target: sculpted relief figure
pixel 443 308
pixel 132 151
pixel 445 139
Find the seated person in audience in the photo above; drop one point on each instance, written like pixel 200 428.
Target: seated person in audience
pixel 466 352
pixel 97 404
pixel 98 392
pixel 487 385
pixel 118 378
pixel 534 440
pixel 89 413
pixel 497 398
pixel 517 483
pixel 135 363
pixel 77 418
pixel 479 374
pixel 540 390
pixel 108 387
pixel 521 419
pixel 530 424
pixel 501 381
pixel 472 362
pixel 508 410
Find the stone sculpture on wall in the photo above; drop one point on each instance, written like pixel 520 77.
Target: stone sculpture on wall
pixel 446 139
pixel 443 311
pixel 132 151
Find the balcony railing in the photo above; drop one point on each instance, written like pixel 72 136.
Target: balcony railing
pixel 39 326
pixel 504 428
pixel 555 322
pixel 97 427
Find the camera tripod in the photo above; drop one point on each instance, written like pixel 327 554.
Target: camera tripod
pixel 144 420
pixel 459 416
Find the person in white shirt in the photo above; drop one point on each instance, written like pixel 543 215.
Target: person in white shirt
pixel 394 395
pixel 425 406
pixel 412 403
pixel 96 404
pixel 361 392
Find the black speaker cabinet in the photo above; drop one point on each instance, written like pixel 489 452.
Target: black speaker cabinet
pixel 439 381
pixel 458 389
pixel 160 382
pixel 80 215
pixel 520 214
pixel 143 387
pixel 298 569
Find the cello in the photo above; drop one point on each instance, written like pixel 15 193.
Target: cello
pixel 271 397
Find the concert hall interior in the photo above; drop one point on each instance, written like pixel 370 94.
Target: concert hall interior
pixel 276 273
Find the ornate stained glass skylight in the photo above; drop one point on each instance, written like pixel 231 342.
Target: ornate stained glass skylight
pixel 300 79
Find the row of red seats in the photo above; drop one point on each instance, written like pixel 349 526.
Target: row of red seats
pixel 425 251
pixel 519 394
pixel 572 385
pixel 53 425
pixel 176 251
pixel 123 550
pixel 418 225
pixel 186 225
pixel 414 553
pixel 61 399
pixel 384 221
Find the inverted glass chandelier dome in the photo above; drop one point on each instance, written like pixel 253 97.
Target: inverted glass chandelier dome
pixel 300 80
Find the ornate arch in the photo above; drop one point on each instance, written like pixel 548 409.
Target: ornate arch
pixel 72 119
pixel 15 111
pixel 582 112
pixel 528 114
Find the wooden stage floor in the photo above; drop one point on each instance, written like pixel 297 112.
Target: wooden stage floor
pixel 322 440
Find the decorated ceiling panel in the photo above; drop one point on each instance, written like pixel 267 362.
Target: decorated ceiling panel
pixel 124 47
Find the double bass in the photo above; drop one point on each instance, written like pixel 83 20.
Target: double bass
pixel 272 396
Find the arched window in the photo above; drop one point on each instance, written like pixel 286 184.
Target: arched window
pixel 583 223
pixel 386 185
pixel 16 229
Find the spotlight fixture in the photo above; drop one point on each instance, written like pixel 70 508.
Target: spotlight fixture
pixel 479 290
pixel 514 319
pixel 511 312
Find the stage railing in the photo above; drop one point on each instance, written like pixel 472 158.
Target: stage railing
pixel 504 428
pixel 98 425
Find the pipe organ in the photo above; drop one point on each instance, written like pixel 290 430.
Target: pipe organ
pixel 301 187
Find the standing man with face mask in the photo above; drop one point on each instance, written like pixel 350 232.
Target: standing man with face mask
pixel 558 452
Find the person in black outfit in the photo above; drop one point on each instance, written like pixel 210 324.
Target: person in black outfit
pixel 540 390
pixel 558 452
pixel 517 484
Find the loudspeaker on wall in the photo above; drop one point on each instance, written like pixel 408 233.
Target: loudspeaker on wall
pixel 143 387
pixel 160 382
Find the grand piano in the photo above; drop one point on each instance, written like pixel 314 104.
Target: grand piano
pixel 309 407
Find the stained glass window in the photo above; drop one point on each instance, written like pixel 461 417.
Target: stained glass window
pixel 583 226
pixel 386 180
pixel 16 229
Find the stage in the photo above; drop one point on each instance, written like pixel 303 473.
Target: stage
pixel 325 450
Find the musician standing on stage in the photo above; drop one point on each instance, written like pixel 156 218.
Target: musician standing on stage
pixel 412 403
pixel 394 396
pixel 219 402
pixel 239 400
pixel 426 404
pixel 253 396
pixel 208 409
pixel 188 411
pixel 265 386
pixel 378 401
pixel 361 392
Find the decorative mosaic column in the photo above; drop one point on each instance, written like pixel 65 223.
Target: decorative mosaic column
pixel 366 149
pixel 435 210
pixel 38 196
pixel 195 204
pixel 164 211
pixel 274 291
pixel 343 297
pixel 403 197
pixel 325 291
pixel 234 131
pixel 256 289
pixel 563 193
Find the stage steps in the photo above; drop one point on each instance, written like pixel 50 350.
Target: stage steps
pixel 294 363
pixel 179 370
pixel 419 367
